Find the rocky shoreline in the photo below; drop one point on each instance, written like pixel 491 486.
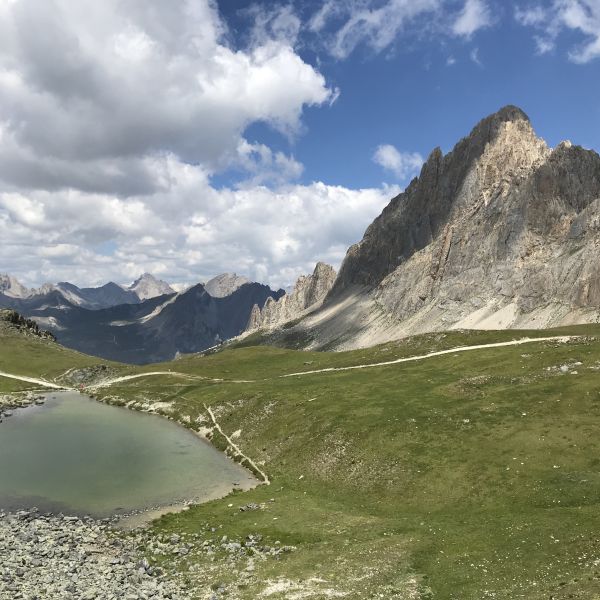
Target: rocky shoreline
pixel 78 558
pixel 81 558
pixel 10 402
pixel 73 558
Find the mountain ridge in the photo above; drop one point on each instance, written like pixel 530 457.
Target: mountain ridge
pixel 501 232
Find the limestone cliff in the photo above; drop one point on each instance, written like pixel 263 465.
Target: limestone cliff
pixel 501 232
pixel 307 295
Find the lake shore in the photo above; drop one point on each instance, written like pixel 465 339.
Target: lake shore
pixel 206 473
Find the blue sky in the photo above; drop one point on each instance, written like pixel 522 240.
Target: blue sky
pixel 195 137
pixel 423 92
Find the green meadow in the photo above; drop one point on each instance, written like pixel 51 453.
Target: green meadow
pixel 470 475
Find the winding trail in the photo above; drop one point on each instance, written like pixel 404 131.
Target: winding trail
pixel 41 382
pixel 108 382
pixel 236 448
pixel 559 338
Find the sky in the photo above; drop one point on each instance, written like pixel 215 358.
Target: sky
pixel 196 137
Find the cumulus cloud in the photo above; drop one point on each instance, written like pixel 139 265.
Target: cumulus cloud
pixel 582 16
pixel 272 235
pixel 111 83
pixel 265 166
pixel 401 164
pixel 475 15
pixel 116 116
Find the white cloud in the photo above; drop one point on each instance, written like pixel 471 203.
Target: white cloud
pixel 367 22
pixel 89 90
pixel 276 23
pixel 474 56
pixel 401 164
pixel 344 25
pixel 475 15
pixel 533 15
pixel 187 233
pixel 115 116
pixel 265 166
pixel 581 16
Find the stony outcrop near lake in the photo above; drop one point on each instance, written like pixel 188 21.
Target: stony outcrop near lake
pixel 501 232
pixel 308 294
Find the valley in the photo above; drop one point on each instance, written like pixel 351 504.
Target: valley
pixel 299 300
pixel 472 470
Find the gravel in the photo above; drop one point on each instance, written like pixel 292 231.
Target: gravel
pixel 72 558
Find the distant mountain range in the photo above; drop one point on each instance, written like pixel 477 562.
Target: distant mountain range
pixel 145 322
pixel 110 294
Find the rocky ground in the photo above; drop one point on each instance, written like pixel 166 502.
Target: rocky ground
pixel 73 558
pixel 8 402
pixel 76 558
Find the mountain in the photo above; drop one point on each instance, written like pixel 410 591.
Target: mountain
pixel 9 286
pixel 307 295
pixel 110 294
pixel 502 232
pixel 154 330
pixel 225 284
pixel 147 286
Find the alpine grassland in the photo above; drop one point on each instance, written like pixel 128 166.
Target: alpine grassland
pixel 473 474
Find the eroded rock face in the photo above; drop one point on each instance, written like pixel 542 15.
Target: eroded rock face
pixel 501 232
pixel 308 294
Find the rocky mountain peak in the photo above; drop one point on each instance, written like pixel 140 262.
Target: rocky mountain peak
pixel 500 232
pixel 11 287
pixel 500 151
pixel 147 286
pixel 307 295
pixel 225 284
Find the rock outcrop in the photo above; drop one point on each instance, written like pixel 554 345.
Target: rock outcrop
pixel 14 321
pixel 307 295
pixel 501 232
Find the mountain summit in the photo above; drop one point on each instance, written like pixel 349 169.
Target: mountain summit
pixel 225 284
pixel 147 286
pixel 501 232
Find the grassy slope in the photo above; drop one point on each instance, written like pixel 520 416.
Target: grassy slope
pixel 467 476
pixel 30 356
pixel 475 475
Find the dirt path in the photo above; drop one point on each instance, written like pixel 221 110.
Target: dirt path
pixel 236 448
pixel 137 376
pixel 41 382
pixel 563 339
pixel 109 382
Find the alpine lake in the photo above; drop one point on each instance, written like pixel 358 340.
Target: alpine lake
pixel 73 455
